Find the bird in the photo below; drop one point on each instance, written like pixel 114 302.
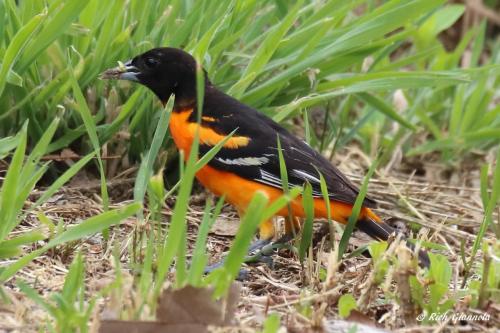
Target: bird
pixel 248 161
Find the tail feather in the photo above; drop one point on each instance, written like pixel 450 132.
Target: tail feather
pixel 377 230
pixel 382 231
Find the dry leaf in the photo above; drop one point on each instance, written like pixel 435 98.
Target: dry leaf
pixel 196 305
pixel 359 317
pixel 186 310
pixel 122 326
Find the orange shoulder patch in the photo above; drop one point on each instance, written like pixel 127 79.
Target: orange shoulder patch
pixel 183 133
pixel 209 137
pixel 208 119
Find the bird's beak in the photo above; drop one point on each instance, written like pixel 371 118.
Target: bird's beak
pixel 125 71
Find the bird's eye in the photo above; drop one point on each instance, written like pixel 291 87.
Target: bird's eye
pixel 151 62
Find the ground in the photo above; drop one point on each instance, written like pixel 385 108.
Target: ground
pixel 445 202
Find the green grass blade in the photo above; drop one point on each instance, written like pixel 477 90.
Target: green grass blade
pixel 439 21
pixel 54 28
pixel 488 214
pixel 25 238
pixel 39 150
pixel 16 47
pixel 386 109
pixel 74 280
pixel 8 194
pixel 146 267
pixel 95 224
pixel 284 176
pixel 456 111
pixel 356 209
pixel 146 168
pixel 90 126
pixel 478 45
pixel 326 198
pixel 7 144
pixel 485 197
pixel 199 255
pixel 27 186
pixel 307 228
pixel 266 50
pixel 11 248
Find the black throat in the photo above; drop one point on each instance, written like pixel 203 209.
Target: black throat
pixel 186 98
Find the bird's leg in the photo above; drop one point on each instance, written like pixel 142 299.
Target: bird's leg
pixel 266 235
pixel 258 251
pixel 284 239
pixel 292 228
pixel 255 253
pixel 266 247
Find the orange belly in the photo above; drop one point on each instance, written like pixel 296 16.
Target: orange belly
pixel 239 193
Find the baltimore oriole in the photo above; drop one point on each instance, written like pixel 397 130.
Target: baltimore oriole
pixel 249 160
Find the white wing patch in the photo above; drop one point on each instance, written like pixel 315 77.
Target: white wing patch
pixel 247 161
pixel 269 179
pixel 272 180
pixel 303 174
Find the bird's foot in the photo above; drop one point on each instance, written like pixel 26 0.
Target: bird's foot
pixel 258 245
pixel 254 255
pixel 265 253
pixel 259 251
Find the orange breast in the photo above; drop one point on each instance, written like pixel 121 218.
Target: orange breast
pixel 178 130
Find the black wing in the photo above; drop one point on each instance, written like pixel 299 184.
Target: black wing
pixel 259 160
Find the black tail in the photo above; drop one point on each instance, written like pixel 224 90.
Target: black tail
pixel 381 231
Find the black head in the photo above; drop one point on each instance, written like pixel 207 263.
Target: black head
pixel 165 71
